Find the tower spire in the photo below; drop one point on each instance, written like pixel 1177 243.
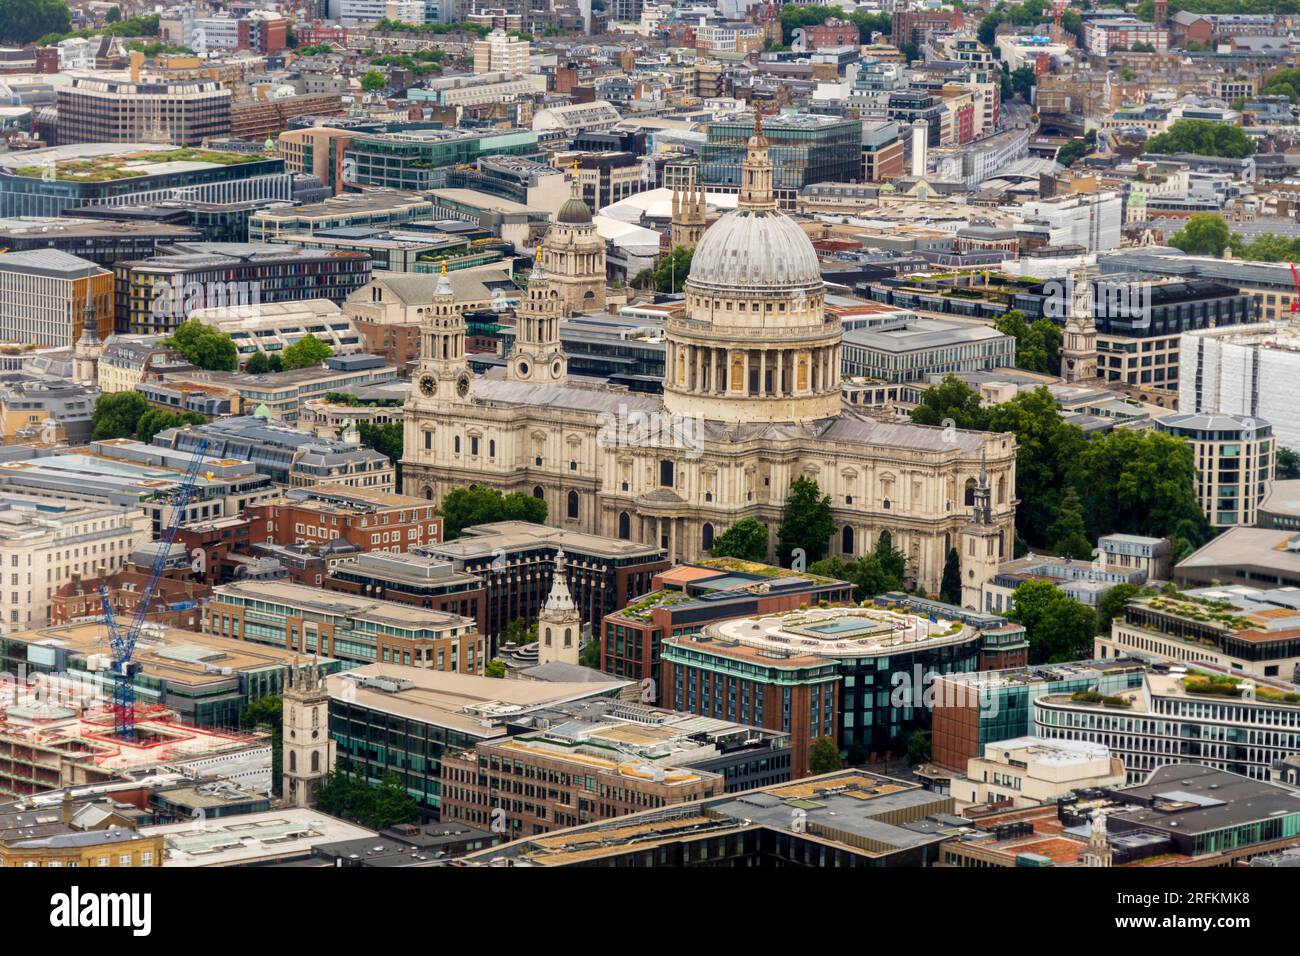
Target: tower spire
pixel 756 173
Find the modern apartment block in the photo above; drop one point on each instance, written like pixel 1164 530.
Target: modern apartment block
pixel 46 297
pixel 358 630
pixel 498 52
pixel 317 150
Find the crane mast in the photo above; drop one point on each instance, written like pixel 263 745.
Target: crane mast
pixel 123 645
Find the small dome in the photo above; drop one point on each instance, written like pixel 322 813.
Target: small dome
pixel 574 212
pixel 755 250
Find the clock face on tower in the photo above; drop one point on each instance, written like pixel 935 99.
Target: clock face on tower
pixel 462 384
pixel 428 385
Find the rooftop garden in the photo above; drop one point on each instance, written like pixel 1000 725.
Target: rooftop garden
pixel 741 566
pixel 1094 697
pixel 642 608
pixel 1200 609
pixel 1225 685
pixel 100 169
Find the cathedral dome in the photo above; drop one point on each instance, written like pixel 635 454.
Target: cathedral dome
pixel 757 250
pixel 574 212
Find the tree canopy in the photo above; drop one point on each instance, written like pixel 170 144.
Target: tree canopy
pixel 951 401
pixel 22 21
pixel 116 415
pixel 1059 628
pixel 1205 234
pixel 1204 138
pixel 351 797
pixel 806 522
pixel 204 346
pixel 746 539
pixel 464 507
pixel 373 80
pixel 670 275
pixel 159 420
pixel 262 362
pixel 1067 535
pixel 950 586
pixel 824 756
pixel 307 352
pixel 793 17
pixel 1038 343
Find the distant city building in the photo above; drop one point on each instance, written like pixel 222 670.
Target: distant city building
pixel 47 296
pixel 1234 458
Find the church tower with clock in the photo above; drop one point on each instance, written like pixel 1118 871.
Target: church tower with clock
pixel 442 373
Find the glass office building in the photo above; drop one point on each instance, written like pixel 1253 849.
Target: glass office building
pixel 804 149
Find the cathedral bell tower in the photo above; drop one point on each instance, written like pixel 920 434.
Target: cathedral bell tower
pixel 688 210
pixel 979 549
pixel 559 626
pixel 442 374
pixel 538 355
pixel 309 751
pixel 1079 349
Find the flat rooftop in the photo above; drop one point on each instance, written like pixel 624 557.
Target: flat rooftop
pixel 838 632
pixel 252 837
pixel 477 706
pixel 483 541
pixel 340 604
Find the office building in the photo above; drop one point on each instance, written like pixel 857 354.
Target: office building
pixel 856 675
pixel 103 242
pixel 317 150
pixel 516 562
pixel 414 160
pixel 46 182
pixel 373 208
pixel 1234 458
pixel 405 720
pixel 183 112
pixel 1090 221
pixel 156 295
pixel 913 349
pixel 603 759
pixel 843 819
pixel 272 327
pixel 47 296
pixel 1249 371
pixel 498 52
pixel 367 519
pixel 683 599
pixel 357 630
pixel 1029 771
pixel 806 149
pixel 409 578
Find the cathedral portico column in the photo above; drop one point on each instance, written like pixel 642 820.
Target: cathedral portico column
pixel 780 374
pixel 762 373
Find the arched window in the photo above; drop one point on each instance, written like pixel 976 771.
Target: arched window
pixel 428 493
pixel 846 539
pixel 970 491
pixel 315 761
pixel 492 448
pixel 706 537
pixel 455 445
pixel 573 504
pixel 293 760
pixel 548 637
pixel 1002 489
pixel 568 637
pixel 624 526
pixel 538 492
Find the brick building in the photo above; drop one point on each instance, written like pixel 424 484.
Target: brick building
pixel 369 520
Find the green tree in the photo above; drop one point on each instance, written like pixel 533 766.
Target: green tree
pixel 1038 344
pixel 373 80
pixel 1022 82
pixel 1059 627
pixel 865 574
pixel 116 415
pixel 1140 482
pixel 988 28
pixel 1067 535
pixel 824 756
pixel 114 14
pixel 259 363
pixel 952 400
pixel 806 522
pixel 387 440
pixel 950 586
pixel 746 539
pixel 1205 234
pixel 267 714
pixel 22 21
pixel 589 656
pixel 1046 450
pixel 307 352
pixel 670 275
pixel 893 563
pixel 494 668
pixel 392 804
pixel 918 748
pixel 1112 603
pixel 1072 152
pixel 1203 138
pixel 204 346
pixel 1288 464
pixel 157 420
pixel 463 507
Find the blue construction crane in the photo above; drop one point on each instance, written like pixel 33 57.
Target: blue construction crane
pixel 125 669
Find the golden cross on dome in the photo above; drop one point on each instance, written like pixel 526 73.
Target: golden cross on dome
pixel 444 266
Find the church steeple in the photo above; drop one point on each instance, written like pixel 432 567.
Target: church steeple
pixel 309 750
pixel 756 173
pixel 559 626
pixel 443 372
pixel 538 354
pixel 1079 348
pixel 688 210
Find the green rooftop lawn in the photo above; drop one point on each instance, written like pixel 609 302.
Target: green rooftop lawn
pixel 102 169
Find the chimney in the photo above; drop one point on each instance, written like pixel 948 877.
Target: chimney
pixel 65 808
pixel 920 146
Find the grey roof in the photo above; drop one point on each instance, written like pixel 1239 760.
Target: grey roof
pixel 565 673
pixel 51 262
